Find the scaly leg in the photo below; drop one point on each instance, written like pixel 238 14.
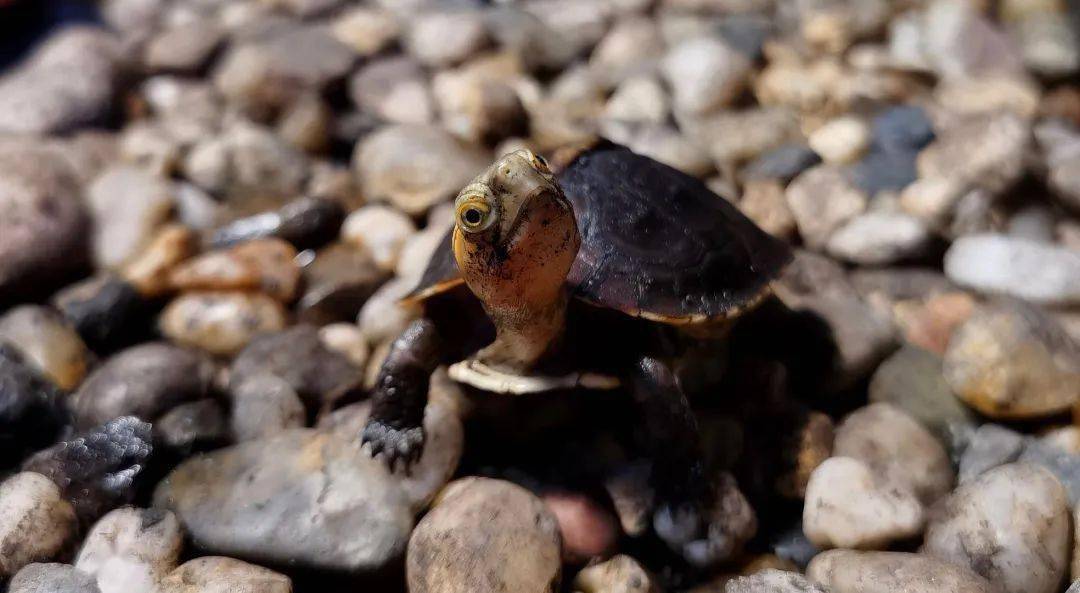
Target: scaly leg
pixel 396 426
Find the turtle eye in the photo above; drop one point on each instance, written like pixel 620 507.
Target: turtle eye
pixel 474 215
pixel 541 164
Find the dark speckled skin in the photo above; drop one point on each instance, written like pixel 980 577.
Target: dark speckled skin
pixel 654 241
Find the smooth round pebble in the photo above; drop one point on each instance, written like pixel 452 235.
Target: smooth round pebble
pixel 52 578
pixel 848 571
pixel 131 547
pixel 221 322
pixel 216 574
pixel 48 343
pixel 263 406
pixel 381 230
pixel 620 574
pixel 35 523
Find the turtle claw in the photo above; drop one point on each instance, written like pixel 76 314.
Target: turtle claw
pixel 393 444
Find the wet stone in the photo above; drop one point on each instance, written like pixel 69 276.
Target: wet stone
pixel 143 381
pixel 47 342
pixel 221 322
pixel 98 470
pixel 306 223
pixel 104 310
pixel 52 578
pixel 297 355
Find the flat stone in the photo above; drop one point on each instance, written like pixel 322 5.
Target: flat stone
pixel 35 522
pixel 847 506
pixel 305 498
pixel 998 264
pixel 485 536
pixel 1010 525
pixel 1011 360
pixel 848 571
pixel 143 381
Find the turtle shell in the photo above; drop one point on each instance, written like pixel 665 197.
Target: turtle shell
pixel 655 242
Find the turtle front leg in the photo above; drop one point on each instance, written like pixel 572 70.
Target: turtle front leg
pixel 678 475
pixel 395 428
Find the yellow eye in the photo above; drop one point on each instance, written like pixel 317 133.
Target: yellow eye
pixel 474 215
pixel 541 164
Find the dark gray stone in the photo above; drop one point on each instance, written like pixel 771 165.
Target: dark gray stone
pixel 903 128
pixel 880 171
pixel 784 163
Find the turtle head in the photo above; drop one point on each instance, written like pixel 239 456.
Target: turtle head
pixel 515 236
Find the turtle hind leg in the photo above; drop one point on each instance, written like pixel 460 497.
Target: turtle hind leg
pixel 395 429
pixel 678 475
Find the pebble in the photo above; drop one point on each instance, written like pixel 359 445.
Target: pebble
pixel 192 426
pixel 781 164
pixel 897 448
pixel 804 450
pixel 1065 465
pixel 105 311
pixel 346 339
pixel 263 406
pixel 37 524
pixel 307 223
pixel 479 106
pixel 31 410
pixel 215 574
pixel 911 381
pixel 822 199
pixel 1048 44
pixel 246 159
pixel 366 30
pixel 149 271
pixel 414 167
pixel 705 74
pixel 999 264
pixel 305 498
pixel 841 140
pixel 298 355
pixel 439 39
pixel 628 50
pixel 380 230
pixel 931 324
pixel 265 265
pixel 764 203
pixel 742 135
pixel 271 71
pixel 620 574
pixel 881 171
pixel 43 234
pixel 394 89
pixel 989 95
pixel 1011 360
pixel 220 322
pixel 68 82
pixel 307 124
pixel 587 529
pixel 144 381
pixel 666 144
pixel 902 128
pixel 991 446
pixel 131 549
pixel 731 523
pixel 848 571
pixel 485 536
pixel 879 238
pixel 985 151
pixel 338 283
pixel 97 471
pixel 185 48
pixel 128 206
pixel 52 578
pixel 848 506
pixel 383 316
pixel 1010 525
pixel 48 343
pixel 772 581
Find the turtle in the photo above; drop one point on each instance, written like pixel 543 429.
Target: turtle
pixel 555 262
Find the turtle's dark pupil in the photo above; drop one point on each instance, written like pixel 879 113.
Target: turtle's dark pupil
pixel 473 216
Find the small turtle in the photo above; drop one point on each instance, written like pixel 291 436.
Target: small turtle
pixel 580 278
